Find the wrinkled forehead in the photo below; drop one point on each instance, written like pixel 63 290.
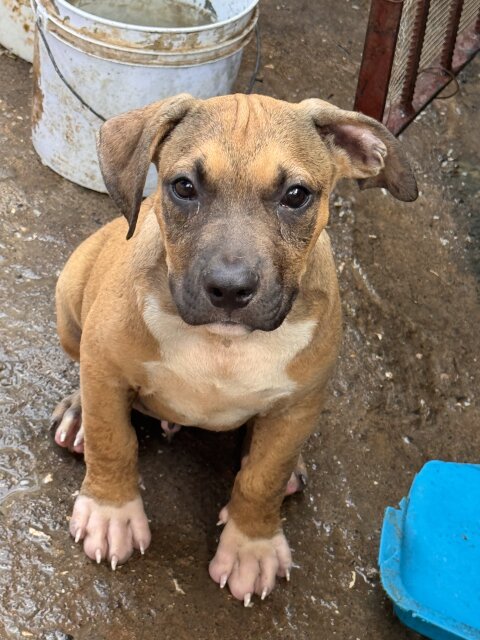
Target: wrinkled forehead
pixel 248 138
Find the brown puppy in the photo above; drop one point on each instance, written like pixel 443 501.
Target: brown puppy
pixel 221 309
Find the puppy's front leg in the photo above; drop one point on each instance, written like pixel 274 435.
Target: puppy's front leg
pixel 108 514
pixel 253 549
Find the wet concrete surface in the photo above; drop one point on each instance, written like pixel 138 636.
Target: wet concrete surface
pixel 404 391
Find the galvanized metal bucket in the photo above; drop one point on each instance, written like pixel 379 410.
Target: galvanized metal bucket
pixel 114 67
pixel 17 27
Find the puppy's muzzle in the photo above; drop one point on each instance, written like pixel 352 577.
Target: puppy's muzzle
pixel 230 285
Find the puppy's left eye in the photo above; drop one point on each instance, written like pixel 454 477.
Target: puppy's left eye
pixel 184 189
pixel 296 197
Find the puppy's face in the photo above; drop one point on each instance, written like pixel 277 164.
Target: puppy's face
pixel 244 183
pixel 243 195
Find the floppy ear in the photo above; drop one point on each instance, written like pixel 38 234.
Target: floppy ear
pixel 126 145
pixel 364 149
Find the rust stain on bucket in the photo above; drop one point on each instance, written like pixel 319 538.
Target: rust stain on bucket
pixel 37 102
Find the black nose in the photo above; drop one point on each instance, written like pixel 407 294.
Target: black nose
pixel 230 286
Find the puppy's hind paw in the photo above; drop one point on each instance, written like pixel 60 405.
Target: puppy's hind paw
pixel 299 478
pixel 169 429
pixel 67 421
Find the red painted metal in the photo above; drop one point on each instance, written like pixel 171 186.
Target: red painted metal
pixel 448 45
pixel 377 60
pixel 419 86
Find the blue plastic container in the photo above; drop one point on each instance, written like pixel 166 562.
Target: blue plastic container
pixel 430 553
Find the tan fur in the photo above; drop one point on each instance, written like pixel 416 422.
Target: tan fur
pixel 136 350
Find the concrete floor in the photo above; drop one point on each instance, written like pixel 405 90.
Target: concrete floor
pixel 404 391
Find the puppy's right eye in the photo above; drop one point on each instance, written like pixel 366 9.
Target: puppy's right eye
pixel 184 189
pixel 296 197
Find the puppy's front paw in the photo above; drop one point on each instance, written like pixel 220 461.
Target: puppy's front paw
pixel 110 532
pixel 249 565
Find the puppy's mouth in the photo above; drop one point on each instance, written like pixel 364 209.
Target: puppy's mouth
pixel 255 317
pixel 228 329
pixel 266 311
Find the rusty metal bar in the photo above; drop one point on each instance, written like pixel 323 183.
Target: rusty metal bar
pixel 377 59
pixel 430 82
pixel 415 52
pixel 448 46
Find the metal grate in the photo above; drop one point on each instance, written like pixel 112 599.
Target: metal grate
pixel 413 48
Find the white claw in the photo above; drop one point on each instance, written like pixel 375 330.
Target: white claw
pixel 98 556
pixel 78 439
pixel 142 549
pixel 287 575
pixel 247 600
pixel 114 562
pixel 220 523
pixel 264 593
pixel 78 534
pixel 63 436
pixel 223 580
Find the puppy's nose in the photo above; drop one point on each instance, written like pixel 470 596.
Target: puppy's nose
pixel 230 286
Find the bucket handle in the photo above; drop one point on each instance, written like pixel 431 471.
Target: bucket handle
pixel 42 18
pixel 61 76
pixel 258 59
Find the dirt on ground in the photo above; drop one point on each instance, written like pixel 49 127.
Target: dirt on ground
pixel 404 391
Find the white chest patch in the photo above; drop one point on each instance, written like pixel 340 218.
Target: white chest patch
pixel 219 382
